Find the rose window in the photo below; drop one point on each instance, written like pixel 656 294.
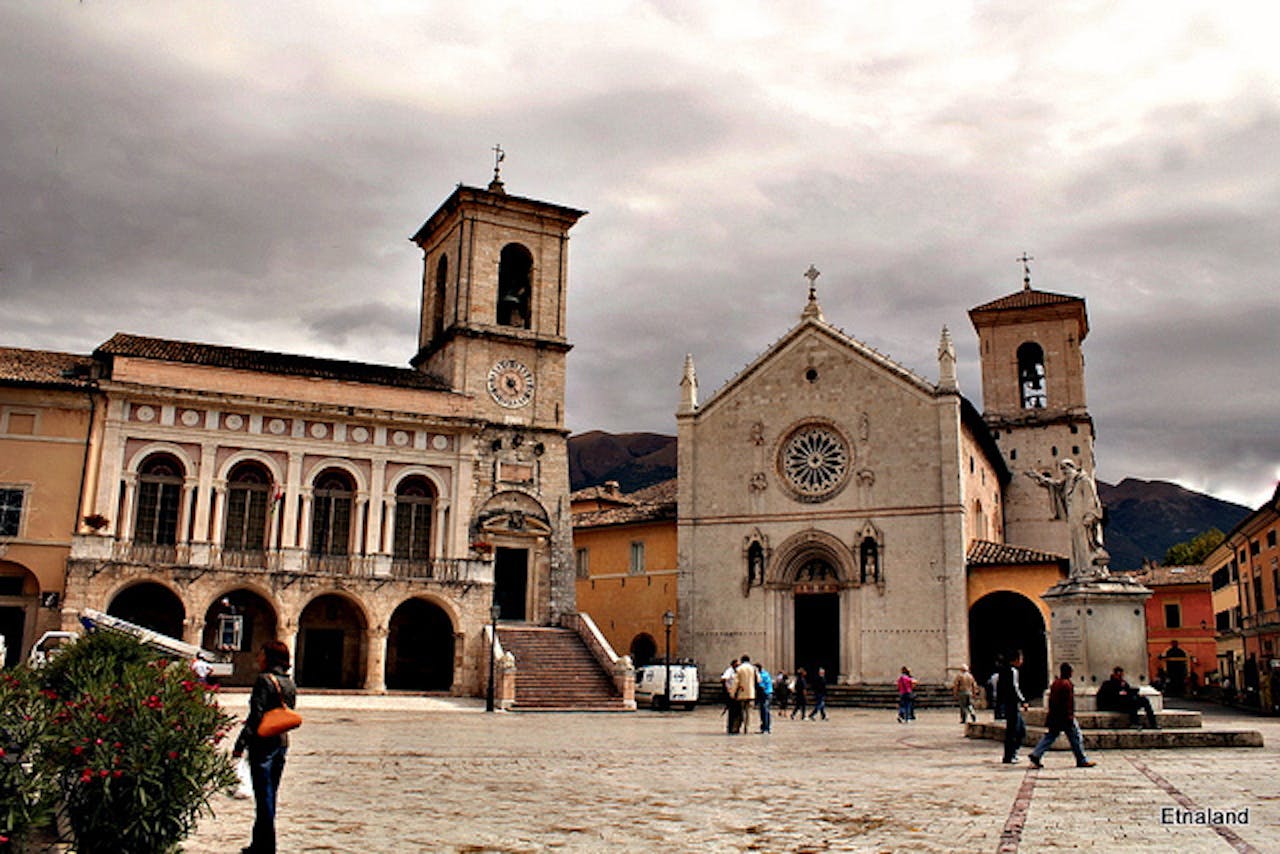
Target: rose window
pixel 815 461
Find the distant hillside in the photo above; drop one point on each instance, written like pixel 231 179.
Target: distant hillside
pixel 634 460
pixel 1145 517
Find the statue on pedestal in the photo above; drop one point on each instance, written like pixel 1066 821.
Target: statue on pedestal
pixel 1075 499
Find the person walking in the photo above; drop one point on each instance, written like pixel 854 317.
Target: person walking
pixel 964 688
pixel 1009 698
pixel 744 692
pixel 799 693
pixel 764 698
pixel 781 690
pixel 906 696
pixel 272 689
pixel 819 686
pixel 1061 717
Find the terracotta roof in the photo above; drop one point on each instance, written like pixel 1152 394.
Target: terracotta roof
pixel 658 493
pixel 1026 298
pixel 265 361
pixel 600 493
pixel 986 553
pixel 1163 576
pixel 652 504
pixel 42 367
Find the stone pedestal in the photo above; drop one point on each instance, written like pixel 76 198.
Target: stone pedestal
pixel 1096 625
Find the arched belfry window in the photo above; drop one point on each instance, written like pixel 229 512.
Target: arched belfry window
pixel 515 283
pixel 414 501
pixel 248 502
pixel 1031 375
pixel 869 560
pixel 331 514
pixel 160 480
pixel 437 299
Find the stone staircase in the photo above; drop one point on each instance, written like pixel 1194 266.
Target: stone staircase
pixel 852 696
pixel 1111 731
pixel 556 672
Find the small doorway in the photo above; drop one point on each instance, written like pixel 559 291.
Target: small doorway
pixel 817 625
pixel 1175 670
pixel 511 583
pixel 12 625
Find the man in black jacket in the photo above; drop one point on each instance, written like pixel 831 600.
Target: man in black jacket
pixel 1116 695
pixel 1009 698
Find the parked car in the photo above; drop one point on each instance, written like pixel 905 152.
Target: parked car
pixel 651 686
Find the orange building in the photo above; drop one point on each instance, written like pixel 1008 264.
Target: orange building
pixel 47 401
pixel 625 553
pixel 1180 625
pixel 1246 600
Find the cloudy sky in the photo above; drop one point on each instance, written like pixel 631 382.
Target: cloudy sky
pixel 248 174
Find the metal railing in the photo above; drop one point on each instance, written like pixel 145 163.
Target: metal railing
pixel 1260 620
pixel 440 569
pixel 151 553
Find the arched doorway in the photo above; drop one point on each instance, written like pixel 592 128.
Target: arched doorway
pixel 1175 670
pixel 817 618
pixel 420 648
pixel 331 644
pixel 1004 621
pixel 19 593
pixel 152 606
pixel 239 622
pixel 643 649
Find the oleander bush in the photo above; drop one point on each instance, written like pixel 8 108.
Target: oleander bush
pixel 130 742
pixel 28 786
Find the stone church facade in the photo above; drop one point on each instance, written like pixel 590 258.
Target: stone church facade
pixel 369 516
pixel 838 510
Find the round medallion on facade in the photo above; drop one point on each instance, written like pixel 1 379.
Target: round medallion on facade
pixel 190 417
pixel 510 383
pixel 814 461
pixel 233 422
pixel 277 426
pixel 145 413
pixel 359 434
pixel 440 443
pixel 400 438
pixel 319 431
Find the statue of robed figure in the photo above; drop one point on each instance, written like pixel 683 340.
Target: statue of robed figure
pixel 1075 499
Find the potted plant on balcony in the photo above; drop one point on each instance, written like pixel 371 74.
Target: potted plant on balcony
pixel 96 522
pixel 483 548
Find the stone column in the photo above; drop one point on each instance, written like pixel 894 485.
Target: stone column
pixel 377 486
pixel 388 541
pixel 440 536
pixel 219 511
pixel 125 531
pixel 358 539
pixel 375 677
pixel 190 485
pixel 204 488
pixel 292 489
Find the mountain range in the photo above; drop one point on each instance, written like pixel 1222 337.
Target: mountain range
pixel 1144 517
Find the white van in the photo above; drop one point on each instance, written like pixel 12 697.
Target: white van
pixel 651 686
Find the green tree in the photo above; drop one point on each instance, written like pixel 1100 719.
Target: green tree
pixel 1195 550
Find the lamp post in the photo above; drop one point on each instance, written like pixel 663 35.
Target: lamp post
pixel 494 610
pixel 668 620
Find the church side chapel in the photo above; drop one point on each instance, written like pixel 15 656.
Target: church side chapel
pixel 838 510
pixel 377 519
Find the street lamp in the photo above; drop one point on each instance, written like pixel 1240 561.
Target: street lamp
pixel 495 610
pixel 668 620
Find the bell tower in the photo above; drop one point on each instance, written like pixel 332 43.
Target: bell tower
pixel 494 290
pixel 1033 394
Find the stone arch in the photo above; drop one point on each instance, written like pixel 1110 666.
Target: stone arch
pixel 346 466
pixel 332 637
pixel 1031 376
pixel 798 549
pixel 515 286
pixel 513 512
pixel 260 622
pixel 643 649
pixel 432 476
pixel 421 645
pixel 189 464
pixel 869 547
pixel 1004 620
pixel 151 603
pixel 249 455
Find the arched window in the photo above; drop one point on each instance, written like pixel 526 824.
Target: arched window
pixel 414 504
pixel 869 560
pixel 331 514
pixel 248 503
pixel 437 302
pixel 159 496
pixel 1031 375
pixel 515 282
pixel 978 521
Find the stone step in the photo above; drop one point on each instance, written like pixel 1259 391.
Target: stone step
pixel 1127 739
pixel 556 672
pixel 1167 719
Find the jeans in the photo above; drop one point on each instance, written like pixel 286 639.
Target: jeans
pixel 906 707
pixel 265 770
pixel 1072 729
pixel 801 706
pixel 1015 730
pixel 766 717
pixel 819 707
pixel 965 700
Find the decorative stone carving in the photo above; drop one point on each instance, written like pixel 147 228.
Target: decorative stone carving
pixel 814 461
pixel 757 433
pixel 759 482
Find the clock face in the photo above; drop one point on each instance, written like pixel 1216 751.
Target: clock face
pixel 510 383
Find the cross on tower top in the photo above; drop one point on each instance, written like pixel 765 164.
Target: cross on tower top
pixel 812 275
pixel 495 186
pixel 1026 270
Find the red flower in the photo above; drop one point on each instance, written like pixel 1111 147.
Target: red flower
pixel 97 741
pixel 173 754
pixel 77 750
pixel 86 776
pixel 104 772
pixel 117 774
pixel 1 752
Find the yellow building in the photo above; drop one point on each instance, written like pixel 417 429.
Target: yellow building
pixel 47 402
pixel 625 553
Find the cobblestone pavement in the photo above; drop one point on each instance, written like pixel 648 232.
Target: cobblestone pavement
pixel 388 774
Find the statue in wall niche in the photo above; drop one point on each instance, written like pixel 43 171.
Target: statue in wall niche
pixel 1075 499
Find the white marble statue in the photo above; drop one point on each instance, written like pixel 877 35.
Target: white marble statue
pixel 1075 499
